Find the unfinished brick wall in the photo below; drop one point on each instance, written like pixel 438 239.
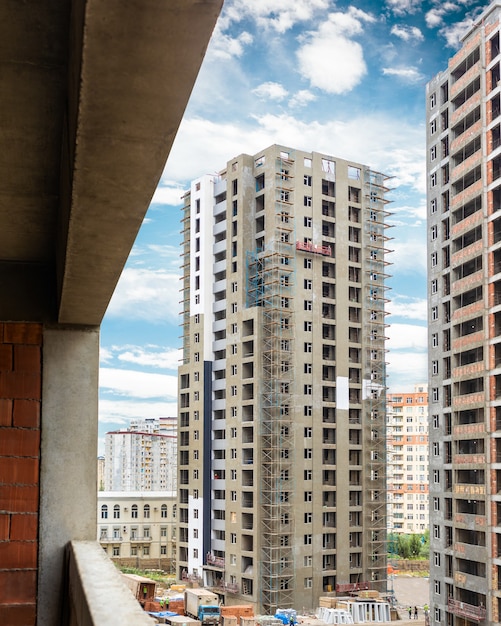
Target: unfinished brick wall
pixel 20 403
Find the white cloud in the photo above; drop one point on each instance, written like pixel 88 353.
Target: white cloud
pixel 407 356
pixel 409 74
pixel 403 7
pixel 395 149
pixel 105 355
pixel 329 58
pixel 302 98
pixel 270 91
pixel 169 193
pixel 405 336
pixel 434 18
pixel 118 413
pixel 376 140
pixel 405 212
pixel 409 256
pixel 164 252
pixel 151 356
pixel 406 307
pixel 137 384
pixel 277 15
pixel 406 369
pixel 149 295
pixel 224 46
pixel 451 31
pixel 454 33
pixel 407 33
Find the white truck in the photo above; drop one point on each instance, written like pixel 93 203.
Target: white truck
pixel 203 605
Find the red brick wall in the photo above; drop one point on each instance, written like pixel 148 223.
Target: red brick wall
pixel 20 402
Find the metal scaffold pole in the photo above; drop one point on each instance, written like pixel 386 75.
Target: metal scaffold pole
pixel 270 273
pixel 375 363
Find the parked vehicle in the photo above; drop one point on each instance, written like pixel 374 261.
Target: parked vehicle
pixel 203 605
pixel 142 588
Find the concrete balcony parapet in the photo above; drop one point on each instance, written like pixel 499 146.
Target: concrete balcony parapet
pixel 467 224
pixel 465 80
pixel 469 459
pixel 468 370
pixel 468 282
pixel 460 402
pixel 469 521
pixel 97 594
pixel 467 311
pixel 466 107
pixel 467 194
pixel 466 137
pixel 470 252
pixel 469 429
pixel 467 165
pixel 467 490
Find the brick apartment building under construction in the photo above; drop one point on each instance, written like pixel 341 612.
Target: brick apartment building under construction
pixel 464 287
pixel 281 445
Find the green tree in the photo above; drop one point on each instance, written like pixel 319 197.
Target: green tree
pixel 425 547
pixel 415 545
pixel 404 546
pixel 392 543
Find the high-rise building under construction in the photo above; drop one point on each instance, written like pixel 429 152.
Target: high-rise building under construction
pixel 464 288
pixel 281 446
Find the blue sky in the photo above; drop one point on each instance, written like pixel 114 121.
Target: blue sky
pixel 346 79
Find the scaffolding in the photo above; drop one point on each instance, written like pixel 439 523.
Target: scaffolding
pixel 270 277
pixel 375 372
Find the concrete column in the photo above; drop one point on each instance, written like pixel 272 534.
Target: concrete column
pixel 68 465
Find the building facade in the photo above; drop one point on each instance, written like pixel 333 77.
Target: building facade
pixel 282 388
pixel 138 529
pixel 407 461
pixel 143 457
pixel 464 289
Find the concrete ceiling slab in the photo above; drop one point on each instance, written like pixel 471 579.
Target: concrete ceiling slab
pixel 92 96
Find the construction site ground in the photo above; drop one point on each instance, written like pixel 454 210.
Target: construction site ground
pixel 411 591
pixel 408 591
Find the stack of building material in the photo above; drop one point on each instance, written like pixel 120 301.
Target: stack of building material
pixel 240 611
pixel 335 616
pixel 327 602
pixel 176 605
pixel 363 612
pixel 369 594
pixel 288 616
pixel 268 620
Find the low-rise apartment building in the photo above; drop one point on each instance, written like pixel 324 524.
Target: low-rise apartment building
pixel 138 529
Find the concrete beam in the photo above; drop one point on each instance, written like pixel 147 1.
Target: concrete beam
pixel 139 62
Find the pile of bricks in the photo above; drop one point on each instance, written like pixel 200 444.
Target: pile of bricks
pixel 151 605
pixel 238 611
pixel 176 605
